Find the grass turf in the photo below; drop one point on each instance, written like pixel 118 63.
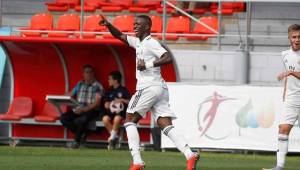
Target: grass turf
pixel 55 158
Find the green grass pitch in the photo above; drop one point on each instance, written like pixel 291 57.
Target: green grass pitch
pixel 56 158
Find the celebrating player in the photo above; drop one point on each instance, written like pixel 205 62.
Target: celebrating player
pixel 152 92
pixel 291 96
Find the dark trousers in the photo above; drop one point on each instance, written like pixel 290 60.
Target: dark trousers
pixel 78 124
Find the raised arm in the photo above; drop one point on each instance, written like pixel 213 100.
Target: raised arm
pixel 113 30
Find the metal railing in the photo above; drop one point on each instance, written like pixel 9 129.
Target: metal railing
pixel 167 3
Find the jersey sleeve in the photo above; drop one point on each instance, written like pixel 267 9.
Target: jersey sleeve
pixel 156 49
pixel 126 94
pixel 132 41
pixel 284 60
pixel 75 90
pixel 100 90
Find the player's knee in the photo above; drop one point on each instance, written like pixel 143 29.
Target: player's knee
pixel 63 120
pixel 163 122
pixel 284 129
pixel 117 119
pixel 132 117
pixel 80 121
pixel 106 119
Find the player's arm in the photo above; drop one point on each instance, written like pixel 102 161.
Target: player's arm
pixel 93 105
pixel 122 100
pixel 113 30
pixel 165 58
pixel 294 73
pixel 89 107
pixel 288 73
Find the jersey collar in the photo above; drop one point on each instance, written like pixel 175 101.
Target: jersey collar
pixel 146 38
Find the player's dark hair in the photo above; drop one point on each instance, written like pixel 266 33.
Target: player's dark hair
pixel 294 27
pixel 88 66
pixel 116 75
pixel 146 18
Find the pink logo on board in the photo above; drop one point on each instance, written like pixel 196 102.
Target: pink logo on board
pixel 245 117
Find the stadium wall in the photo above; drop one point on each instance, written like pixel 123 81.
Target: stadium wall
pixel 5 98
pixel 5 90
pixel 219 67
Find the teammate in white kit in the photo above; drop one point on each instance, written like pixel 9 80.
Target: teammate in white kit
pixel 152 91
pixel 291 95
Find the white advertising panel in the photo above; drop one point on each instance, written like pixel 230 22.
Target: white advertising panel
pixel 229 117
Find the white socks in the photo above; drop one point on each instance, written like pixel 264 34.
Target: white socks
pixel 179 141
pixel 283 141
pixel 134 142
pixel 113 135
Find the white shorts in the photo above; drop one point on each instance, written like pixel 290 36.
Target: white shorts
pixel 154 99
pixel 290 115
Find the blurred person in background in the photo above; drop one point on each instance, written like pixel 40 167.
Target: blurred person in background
pixel 88 92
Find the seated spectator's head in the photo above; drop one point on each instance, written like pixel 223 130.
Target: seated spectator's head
pixel 114 78
pixel 88 73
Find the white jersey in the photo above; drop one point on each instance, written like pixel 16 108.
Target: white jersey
pixel 292 87
pixel 149 50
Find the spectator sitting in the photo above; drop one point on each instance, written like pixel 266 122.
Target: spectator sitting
pixel 88 93
pixel 116 101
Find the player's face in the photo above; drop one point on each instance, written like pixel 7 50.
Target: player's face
pixel 294 38
pixel 139 27
pixel 88 74
pixel 111 81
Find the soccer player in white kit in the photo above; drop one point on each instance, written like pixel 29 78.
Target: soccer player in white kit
pixel 152 92
pixel 291 95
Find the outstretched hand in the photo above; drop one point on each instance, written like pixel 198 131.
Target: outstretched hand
pixel 103 21
pixel 141 65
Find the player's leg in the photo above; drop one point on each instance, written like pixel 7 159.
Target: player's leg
pixel 113 138
pixel 283 140
pixel 106 120
pixel 169 130
pixel 67 120
pixel 133 137
pixel 116 126
pixel 81 124
pixel 164 115
pixel 283 137
pixel 140 103
pixel 287 120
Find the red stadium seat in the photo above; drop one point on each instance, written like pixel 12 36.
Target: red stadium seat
pixel 239 6
pixel 200 9
pixel 200 29
pixel 169 9
pixel 156 24
pixel 49 113
pixel 38 22
pixel 90 5
pixel 66 22
pixel 178 24
pixel 62 5
pixel 146 121
pixel 123 22
pixel 117 5
pixel 227 8
pixel 144 6
pixel 21 107
pixel 91 24
pixel 236 6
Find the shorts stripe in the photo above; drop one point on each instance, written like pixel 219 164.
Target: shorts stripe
pixel 136 99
